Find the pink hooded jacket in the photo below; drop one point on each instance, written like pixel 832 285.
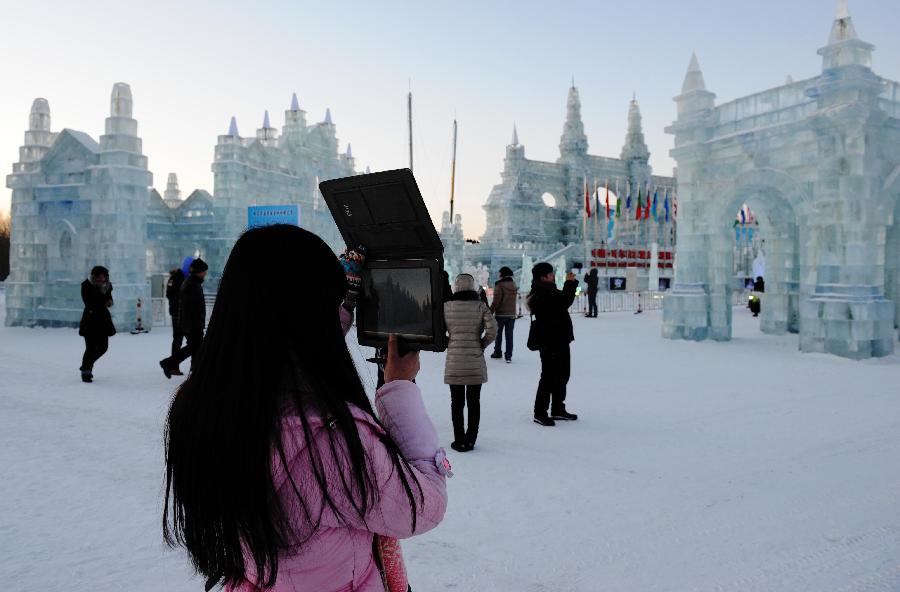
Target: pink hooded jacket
pixel 338 556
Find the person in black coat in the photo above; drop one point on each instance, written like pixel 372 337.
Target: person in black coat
pixel 593 282
pixel 191 317
pixel 173 295
pixel 96 322
pixel 551 333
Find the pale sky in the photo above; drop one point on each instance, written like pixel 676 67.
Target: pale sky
pixel 192 65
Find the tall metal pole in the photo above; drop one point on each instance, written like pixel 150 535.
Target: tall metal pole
pixel 409 120
pixel 453 174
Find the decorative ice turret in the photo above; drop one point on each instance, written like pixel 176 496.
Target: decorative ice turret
pixel 233 128
pixel 635 147
pixel 573 142
pixel 172 195
pixel 38 137
pixel 515 152
pixel 294 128
pixel 266 135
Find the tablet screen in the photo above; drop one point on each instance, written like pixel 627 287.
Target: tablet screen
pixel 398 301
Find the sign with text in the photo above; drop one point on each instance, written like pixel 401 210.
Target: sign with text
pixel 267 215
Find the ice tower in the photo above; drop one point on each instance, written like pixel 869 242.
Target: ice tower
pixel 819 161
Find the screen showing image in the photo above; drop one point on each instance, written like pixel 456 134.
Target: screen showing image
pixel 398 301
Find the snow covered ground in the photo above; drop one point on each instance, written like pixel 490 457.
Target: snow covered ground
pixel 695 466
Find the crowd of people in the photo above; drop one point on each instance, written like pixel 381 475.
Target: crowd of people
pixel 279 470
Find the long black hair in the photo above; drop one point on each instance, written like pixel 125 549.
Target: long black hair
pixel 274 346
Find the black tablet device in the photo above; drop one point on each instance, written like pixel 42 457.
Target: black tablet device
pixel 402 283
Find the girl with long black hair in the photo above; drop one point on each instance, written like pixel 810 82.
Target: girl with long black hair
pixel 279 474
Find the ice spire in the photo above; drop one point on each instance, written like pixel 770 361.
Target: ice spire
pixel 328 117
pixel 515 137
pixel 843 28
pixel 693 79
pixel 573 140
pixel 172 195
pixel 349 153
pixel 789 79
pixel 368 169
pixel 845 48
pixel 635 147
pixel 120 102
pixel 295 104
pixel 266 120
pixel 232 128
pixel 39 118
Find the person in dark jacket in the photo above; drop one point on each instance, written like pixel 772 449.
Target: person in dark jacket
pixel 593 281
pixel 504 308
pixel 552 334
pixel 96 323
pixel 173 295
pixel 191 316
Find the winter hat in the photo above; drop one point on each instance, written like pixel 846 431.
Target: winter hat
pixel 505 271
pixel 198 265
pixel 541 269
pixel 186 265
pixel 99 270
pixel 464 283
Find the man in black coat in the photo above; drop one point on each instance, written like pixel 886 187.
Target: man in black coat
pixel 173 295
pixel 191 316
pixel 96 323
pixel 593 282
pixel 551 334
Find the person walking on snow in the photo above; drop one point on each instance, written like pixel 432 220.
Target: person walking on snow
pixel 96 324
pixel 593 281
pixel 173 295
pixel 551 334
pixel 472 328
pixel 504 308
pixel 280 475
pixel 191 317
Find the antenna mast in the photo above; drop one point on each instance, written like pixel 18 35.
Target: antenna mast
pixel 453 173
pixel 409 121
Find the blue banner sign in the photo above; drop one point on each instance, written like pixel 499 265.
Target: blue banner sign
pixel 268 215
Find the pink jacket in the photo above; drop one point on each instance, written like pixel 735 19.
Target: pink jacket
pixel 338 558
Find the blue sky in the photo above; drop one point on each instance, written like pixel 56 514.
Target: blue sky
pixel 192 65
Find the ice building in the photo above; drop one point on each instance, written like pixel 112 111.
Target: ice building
pixel 557 210
pixel 77 203
pixel 818 160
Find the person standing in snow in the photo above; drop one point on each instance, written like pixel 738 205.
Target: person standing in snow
pixel 191 317
pixel 472 328
pixel 279 473
pixel 96 324
pixel 551 333
pixel 173 295
pixel 504 308
pixel 593 282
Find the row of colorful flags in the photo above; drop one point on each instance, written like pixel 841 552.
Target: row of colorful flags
pixel 646 204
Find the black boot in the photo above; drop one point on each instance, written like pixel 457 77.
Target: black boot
pixel 544 421
pixel 87 376
pixel 563 415
pixel 496 356
pixel 166 369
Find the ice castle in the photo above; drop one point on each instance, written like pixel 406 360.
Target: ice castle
pixel 539 210
pixel 819 162
pixel 77 203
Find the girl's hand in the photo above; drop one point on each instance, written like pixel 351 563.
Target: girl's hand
pixel 400 367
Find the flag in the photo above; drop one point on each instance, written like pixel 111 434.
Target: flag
pixel 628 196
pixel 675 206
pixel 607 199
pixel 655 199
pixel 637 211
pixel 647 208
pixel 596 199
pixel 587 200
pixel 743 217
pixel 666 204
